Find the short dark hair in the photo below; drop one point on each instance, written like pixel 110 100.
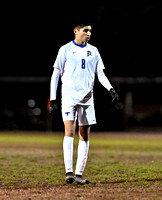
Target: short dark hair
pixel 81 22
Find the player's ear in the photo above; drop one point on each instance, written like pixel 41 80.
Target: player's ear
pixel 75 31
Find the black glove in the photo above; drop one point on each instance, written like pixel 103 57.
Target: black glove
pixel 53 107
pixel 114 95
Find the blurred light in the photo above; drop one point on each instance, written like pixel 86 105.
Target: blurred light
pixel 37 111
pixel 31 103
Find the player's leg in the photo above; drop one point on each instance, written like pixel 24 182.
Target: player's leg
pixel 84 132
pixel 83 148
pixel 86 117
pixel 68 150
pixel 69 127
pixel 68 114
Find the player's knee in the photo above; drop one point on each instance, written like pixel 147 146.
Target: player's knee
pixel 69 133
pixel 84 132
pixel 69 129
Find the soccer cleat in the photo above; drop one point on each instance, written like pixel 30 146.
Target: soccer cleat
pixel 69 178
pixel 80 180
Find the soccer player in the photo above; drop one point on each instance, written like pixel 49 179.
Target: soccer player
pixel 77 63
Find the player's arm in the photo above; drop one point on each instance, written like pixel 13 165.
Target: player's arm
pixel 106 83
pixel 53 90
pixel 58 66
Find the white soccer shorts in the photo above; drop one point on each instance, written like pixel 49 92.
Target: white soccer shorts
pixel 85 114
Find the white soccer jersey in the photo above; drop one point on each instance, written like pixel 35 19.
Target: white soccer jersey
pixel 78 65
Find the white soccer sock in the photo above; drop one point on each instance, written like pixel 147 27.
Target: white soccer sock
pixel 68 153
pixel 83 148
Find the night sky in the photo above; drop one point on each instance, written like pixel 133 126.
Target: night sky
pixel 126 33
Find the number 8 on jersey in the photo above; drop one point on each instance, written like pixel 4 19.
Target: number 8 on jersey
pixel 83 64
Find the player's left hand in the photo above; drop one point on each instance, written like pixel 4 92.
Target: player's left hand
pixel 114 95
pixel 115 100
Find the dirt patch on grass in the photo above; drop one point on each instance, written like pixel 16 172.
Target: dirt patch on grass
pixel 121 171
pixel 129 135
pixel 113 191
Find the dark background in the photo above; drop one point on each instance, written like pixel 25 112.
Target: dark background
pixel 128 37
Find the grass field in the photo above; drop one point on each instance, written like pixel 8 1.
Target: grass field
pixel 120 166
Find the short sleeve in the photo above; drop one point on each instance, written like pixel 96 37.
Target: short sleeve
pixel 60 59
pixel 99 65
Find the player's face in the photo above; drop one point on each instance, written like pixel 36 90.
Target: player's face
pixel 83 35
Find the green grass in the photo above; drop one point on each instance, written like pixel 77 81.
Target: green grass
pixel 30 160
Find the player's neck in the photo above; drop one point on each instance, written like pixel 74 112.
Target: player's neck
pixel 81 43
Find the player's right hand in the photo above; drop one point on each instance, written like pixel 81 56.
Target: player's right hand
pixel 53 107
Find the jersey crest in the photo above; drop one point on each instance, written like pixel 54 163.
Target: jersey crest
pixel 89 53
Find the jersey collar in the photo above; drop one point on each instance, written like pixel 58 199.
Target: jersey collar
pixel 79 45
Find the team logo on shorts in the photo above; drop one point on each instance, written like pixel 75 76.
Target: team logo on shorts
pixel 67 113
pixel 89 53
